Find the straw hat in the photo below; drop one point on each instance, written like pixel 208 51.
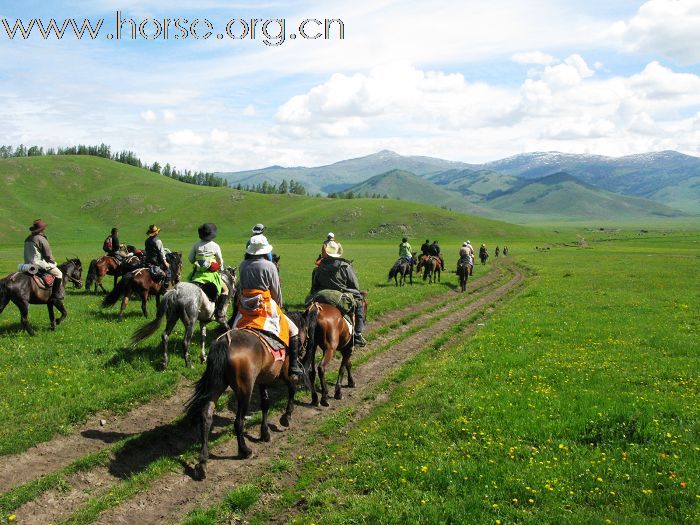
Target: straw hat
pixel 258 246
pixel 153 230
pixel 258 229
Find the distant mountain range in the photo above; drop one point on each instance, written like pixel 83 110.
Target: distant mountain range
pixel 536 186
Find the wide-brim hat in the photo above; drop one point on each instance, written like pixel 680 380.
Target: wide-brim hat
pixel 207 231
pixel 465 244
pixel 258 246
pixel 37 226
pixel 330 235
pixel 153 230
pixel 258 229
pixel 333 249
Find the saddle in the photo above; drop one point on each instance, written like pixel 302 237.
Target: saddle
pixel 43 280
pixel 156 272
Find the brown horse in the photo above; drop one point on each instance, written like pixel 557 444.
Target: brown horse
pixel 401 268
pixel 141 282
pixel 431 268
pixel 464 270
pixel 240 360
pixel 326 328
pixel 23 290
pixel 105 265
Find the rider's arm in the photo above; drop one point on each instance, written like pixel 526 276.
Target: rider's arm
pixel 275 288
pixel 193 253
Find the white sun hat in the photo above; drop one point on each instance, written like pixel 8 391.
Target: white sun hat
pixel 258 245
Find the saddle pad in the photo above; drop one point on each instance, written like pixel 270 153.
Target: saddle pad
pixel 44 281
pixel 350 327
pixel 275 347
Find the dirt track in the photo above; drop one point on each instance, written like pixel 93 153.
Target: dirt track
pixel 173 495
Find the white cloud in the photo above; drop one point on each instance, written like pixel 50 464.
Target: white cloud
pixel 185 137
pixel 249 110
pixel 149 116
pixel 169 115
pixel 534 57
pixel 668 27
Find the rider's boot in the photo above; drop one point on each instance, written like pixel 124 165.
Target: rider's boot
pixel 295 371
pixel 57 291
pixel 220 310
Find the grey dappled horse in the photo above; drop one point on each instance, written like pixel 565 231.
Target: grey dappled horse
pixel 188 303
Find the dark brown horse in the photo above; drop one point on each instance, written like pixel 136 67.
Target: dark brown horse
pixel 431 268
pixel 464 270
pixel 326 328
pixel 237 359
pixel 23 290
pixel 401 268
pixel 141 282
pixel 108 265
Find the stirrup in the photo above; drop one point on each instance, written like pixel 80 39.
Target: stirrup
pixel 359 340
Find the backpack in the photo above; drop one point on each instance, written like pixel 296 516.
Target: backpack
pixel 107 245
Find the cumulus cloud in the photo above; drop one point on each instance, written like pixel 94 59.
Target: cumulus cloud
pixel 185 137
pixel 534 57
pixel 668 27
pixel 149 116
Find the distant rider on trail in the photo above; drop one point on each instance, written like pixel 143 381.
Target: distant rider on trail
pixel 259 229
pixel 335 273
pixel 425 247
pixel 435 252
pixel 207 259
pixel 37 252
pixel 466 256
pixel 111 245
pixel 260 300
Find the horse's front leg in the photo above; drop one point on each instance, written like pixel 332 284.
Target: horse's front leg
pixel 343 363
pixel 203 335
pixel 144 300
pixel 52 317
pixel 322 379
pixel 312 377
pixel 61 307
pixel 264 407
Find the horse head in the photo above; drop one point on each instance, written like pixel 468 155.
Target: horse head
pixel 229 275
pixel 72 271
pixel 175 261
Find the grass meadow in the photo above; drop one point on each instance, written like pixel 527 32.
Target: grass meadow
pixel 577 402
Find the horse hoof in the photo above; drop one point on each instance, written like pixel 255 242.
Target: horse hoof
pixel 324 402
pixel 200 471
pixel 284 420
pixel 202 359
pixel 338 394
pixel 52 327
pixel 245 453
pixel 314 402
pixel 351 384
pixel 265 437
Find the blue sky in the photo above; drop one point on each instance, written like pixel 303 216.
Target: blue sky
pixel 471 81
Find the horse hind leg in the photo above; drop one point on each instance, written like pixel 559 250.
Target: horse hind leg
pixel 264 407
pixel 206 419
pixel 203 335
pixel 243 394
pixel 189 331
pixel 52 316
pixel 24 315
pixel 291 392
pixel 343 366
pixel 165 337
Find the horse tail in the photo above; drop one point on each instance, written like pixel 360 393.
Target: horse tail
pixel 122 288
pixel 212 382
pixel 3 293
pixel 92 274
pixel 311 323
pixel 166 306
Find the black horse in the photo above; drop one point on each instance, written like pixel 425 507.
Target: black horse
pixel 402 268
pixel 23 290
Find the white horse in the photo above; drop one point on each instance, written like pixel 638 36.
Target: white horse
pixel 188 303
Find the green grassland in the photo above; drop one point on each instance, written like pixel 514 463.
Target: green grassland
pixel 577 402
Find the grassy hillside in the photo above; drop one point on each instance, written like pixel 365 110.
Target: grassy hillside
pixel 562 196
pixel 83 197
pixel 474 184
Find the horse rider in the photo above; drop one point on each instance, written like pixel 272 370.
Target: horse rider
pixel 111 245
pixel 259 229
pixel 497 251
pixel 335 273
pixel 466 255
pixel 425 247
pixel 37 251
pixel 155 253
pixel 483 252
pixel 405 250
pixel 435 252
pixel 207 259
pixel 259 289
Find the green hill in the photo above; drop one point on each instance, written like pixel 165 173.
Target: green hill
pixel 562 196
pixel 82 197
pixel 474 184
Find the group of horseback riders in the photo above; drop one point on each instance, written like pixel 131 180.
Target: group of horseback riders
pixel 428 249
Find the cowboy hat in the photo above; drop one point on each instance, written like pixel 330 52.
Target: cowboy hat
pixel 37 226
pixel 258 246
pixel 207 231
pixel 258 228
pixel 333 249
pixel 330 235
pixel 465 243
pixel 153 230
